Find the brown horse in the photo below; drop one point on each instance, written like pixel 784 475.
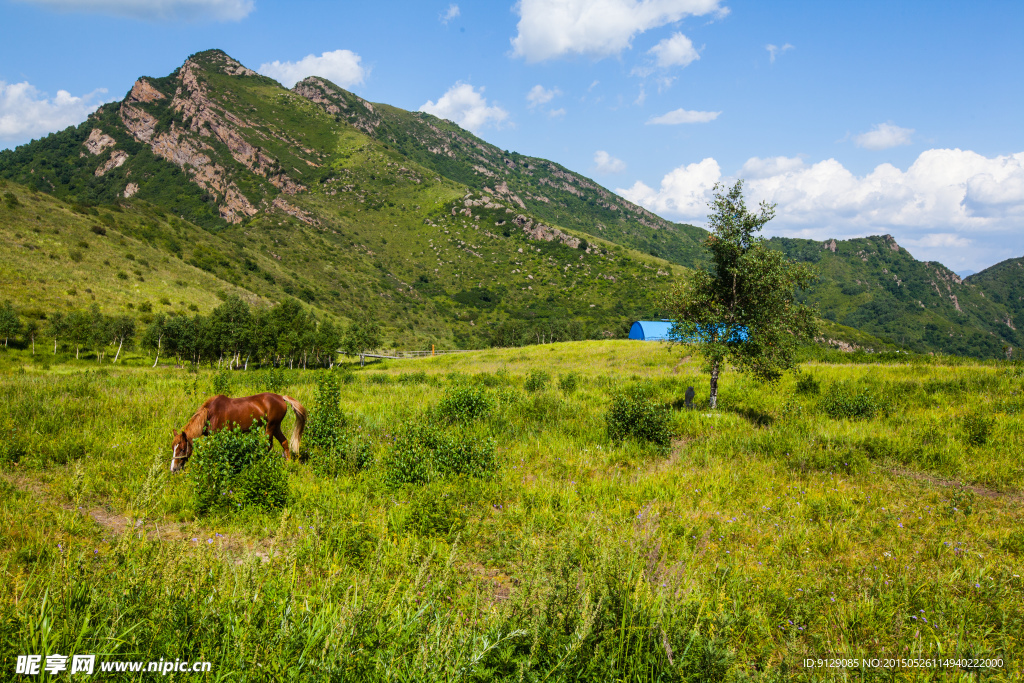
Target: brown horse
pixel 220 412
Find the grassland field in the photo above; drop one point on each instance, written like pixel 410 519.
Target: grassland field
pixel 855 510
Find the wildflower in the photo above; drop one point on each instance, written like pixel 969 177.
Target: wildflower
pixel 195 539
pixel 209 540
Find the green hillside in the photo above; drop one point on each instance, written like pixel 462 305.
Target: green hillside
pixel 874 285
pixel 547 190
pixel 1003 285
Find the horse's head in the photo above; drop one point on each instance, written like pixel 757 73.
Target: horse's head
pixel 181 448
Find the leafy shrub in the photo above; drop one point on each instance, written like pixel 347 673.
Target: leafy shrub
pixel 10 200
pixel 232 468
pixel 412 378
pixel 271 380
pixel 264 483
pixel 378 378
pixel 222 383
pixel 75 255
pixel 976 428
pixel 634 415
pixel 463 403
pixel 537 380
pixel 843 400
pixel 434 511
pixel 99 230
pixel 330 444
pixel 569 382
pixel 807 384
pixel 426 452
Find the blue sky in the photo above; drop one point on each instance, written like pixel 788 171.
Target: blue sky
pixel 855 118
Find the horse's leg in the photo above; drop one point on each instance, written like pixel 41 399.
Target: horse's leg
pixel 279 435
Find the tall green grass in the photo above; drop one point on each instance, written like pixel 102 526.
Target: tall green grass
pixel 772 530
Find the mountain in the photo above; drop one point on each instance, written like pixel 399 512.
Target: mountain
pixel 547 190
pixel 219 169
pixel 873 284
pixel 220 178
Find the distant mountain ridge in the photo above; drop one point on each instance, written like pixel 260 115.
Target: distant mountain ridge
pixel 874 285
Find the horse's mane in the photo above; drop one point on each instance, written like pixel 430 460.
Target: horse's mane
pixel 194 428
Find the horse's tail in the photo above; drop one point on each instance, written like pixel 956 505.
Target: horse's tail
pixel 300 423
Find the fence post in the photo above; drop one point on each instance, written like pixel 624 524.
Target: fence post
pixel 362 360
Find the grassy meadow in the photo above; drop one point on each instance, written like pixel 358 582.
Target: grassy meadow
pixel 855 510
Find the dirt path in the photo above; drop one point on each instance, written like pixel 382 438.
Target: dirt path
pixel 118 524
pixel 981 491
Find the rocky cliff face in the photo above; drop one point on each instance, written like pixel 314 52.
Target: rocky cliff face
pixel 201 129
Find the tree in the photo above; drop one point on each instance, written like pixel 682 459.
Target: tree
pixel 31 331
pixel 56 326
pixel 78 328
pixel 362 336
pixel 10 325
pixel 123 330
pixel 153 337
pixel 743 309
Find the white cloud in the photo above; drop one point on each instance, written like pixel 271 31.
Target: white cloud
pixel 685 191
pixel 952 205
pixel 538 95
pixel 451 13
pixel 27 113
pixel 675 51
pixel 684 116
pixel 156 10
pixel 467 107
pixel 599 28
pixel 764 168
pixel 556 113
pixel 774 50
pixel 341 67
pixel 939 240
pixel 884 136
pixel 606 163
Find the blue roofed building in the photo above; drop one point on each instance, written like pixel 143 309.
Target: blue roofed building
pixel 650 330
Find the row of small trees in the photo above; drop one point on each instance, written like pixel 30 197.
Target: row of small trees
pixel 234 333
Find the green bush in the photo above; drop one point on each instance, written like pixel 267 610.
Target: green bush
pixel 264 483
pixel 976 428
pixel 464 403
pixel 329 442
pixel 378 378
pixel 844 400
pixel 807 384
pixel 569 382
pixel 222 383
pixel 537 380
pixel 634 415
pixel 235 469
pixel 425 452
pixel 271 380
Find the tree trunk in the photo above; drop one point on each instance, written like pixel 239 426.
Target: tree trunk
pixel 55 346
pixel 246 363
pixel 157 359
pixel 33 346
pixel 118 354
pixel 714 385
pixel 76 352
